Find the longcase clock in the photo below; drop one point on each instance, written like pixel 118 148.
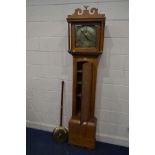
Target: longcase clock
pixel 85 43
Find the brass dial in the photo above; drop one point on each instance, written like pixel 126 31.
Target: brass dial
pixel 85 36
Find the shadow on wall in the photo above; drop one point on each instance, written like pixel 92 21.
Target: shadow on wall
pixel 110 93
pixel 104 63
pixel 104 60
pixel 104 72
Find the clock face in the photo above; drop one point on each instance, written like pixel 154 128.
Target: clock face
pixel 85 36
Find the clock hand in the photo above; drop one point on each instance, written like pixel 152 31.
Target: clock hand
pixel 88 38
pixel 85 36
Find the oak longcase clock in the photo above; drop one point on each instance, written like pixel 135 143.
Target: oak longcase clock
pixel 85 43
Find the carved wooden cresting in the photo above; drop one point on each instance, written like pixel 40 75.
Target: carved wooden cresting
pixel 85 43
pixel 92 13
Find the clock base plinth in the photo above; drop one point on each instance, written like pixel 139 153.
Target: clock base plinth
pixel 84 134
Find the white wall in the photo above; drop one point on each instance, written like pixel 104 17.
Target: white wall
pixel 48 63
